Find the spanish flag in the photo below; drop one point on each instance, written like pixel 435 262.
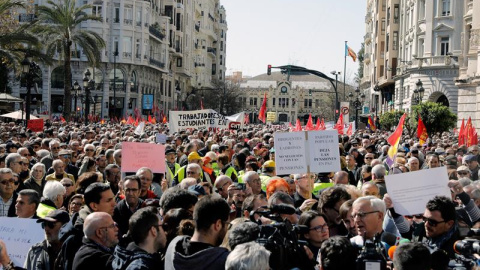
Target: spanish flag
pixel 422 134
pixel 371 124
pixel 394 140
pixel 350 52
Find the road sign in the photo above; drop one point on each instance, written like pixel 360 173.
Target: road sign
pixel 344 110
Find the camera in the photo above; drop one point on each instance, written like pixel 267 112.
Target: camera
pixel 372 256
pixel 281 239
pixel 465 249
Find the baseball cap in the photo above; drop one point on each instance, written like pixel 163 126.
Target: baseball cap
pixel 197 190
pixel 463 168
pixel 269 164
pixel 470 158
pixel 169 150
pixel 193 156
pixel 56 215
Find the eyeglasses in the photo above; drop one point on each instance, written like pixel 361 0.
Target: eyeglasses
pixel 462 173
pixel 89 150
pixel 368 157
pixel 362 215
pixel 56 148
pixel 191 172
pixel 10 181
pixel 320 228
pixel 66 156
pixel 131 190
pixel 432 222
pixel 19 162
pixel 76 203
pixel 67 185
pixel 48 224
pixel 114 225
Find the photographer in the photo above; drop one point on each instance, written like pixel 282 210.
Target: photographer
pixel 412 256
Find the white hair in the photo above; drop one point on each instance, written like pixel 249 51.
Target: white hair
pixel 247 256
pixel 187 182
pixel 376 203
pixel 248 175
pixel 42 153
pixel 52 189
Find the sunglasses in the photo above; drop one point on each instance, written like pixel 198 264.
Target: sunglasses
pixel 67 185
pixel 9 181
pixel 89 150
pixel 19 162
pixel 66 156
pixel 55 148
pixel 48 224
pixel 432 222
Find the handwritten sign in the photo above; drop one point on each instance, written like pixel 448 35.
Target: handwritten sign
pixel 19 234
pixel 161 138
pixel 290 153
pixel 137 155
pixel 181 120
pixel 324 154
pixel 411 191
pixel 35 125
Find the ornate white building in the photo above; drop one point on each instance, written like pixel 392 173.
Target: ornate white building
pixel 165 49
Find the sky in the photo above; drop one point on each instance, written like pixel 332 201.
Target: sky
pixel 308 33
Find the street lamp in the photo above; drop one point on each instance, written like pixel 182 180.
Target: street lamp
pixel 77 88
pixel 88 85
pixel 29 69
pixel 418 92
pixel 357 103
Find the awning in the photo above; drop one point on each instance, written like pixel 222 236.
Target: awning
pixel 9 98
pixel 18 115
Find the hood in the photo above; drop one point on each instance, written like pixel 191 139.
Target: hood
pixel 210 258
pixel 82 215
pixel 68 228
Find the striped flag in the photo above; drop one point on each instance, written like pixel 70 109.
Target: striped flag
pixel 371 124
pixel 350 52
pixel 422 134
pixel 394 140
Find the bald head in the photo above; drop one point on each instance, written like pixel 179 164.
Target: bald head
pixel 370 189
pixel 100 228
pixel 340 178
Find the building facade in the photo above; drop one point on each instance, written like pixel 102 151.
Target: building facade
pixel 156 52
pixel 420 49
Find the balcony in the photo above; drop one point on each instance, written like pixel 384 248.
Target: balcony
pixel 127 55
pixel 155 32
pixel 128 21
pixel 179 6
pixel 212 50
pixel 139 24
pixel 368 37
pixel 157 63
pixel 116 20
pixel 197 27
pixel 138 56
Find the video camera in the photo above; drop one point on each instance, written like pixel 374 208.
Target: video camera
pixel 372 254
pixel 465 249
pixel 281 238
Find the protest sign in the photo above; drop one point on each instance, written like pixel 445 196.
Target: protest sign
pixel 324 155
pixel 308 151
pixel 180 120
pixel 271 116
pixel 411 191
pixel 19 235
pixel 137 155
pixel 161 138
pixel 35 125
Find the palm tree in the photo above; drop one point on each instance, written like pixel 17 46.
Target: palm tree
pixel 15 40
pixel 59 29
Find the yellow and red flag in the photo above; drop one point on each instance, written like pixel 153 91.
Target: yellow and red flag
pixel 350 52
pixel 394 140
pixel 262 115
pixel 422 134
pixel 371 124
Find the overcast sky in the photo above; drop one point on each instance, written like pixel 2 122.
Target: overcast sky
pixel 308 33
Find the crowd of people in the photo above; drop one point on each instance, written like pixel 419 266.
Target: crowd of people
pixel 220 194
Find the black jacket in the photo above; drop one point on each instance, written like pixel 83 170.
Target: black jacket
pixel 121 215
pixel 134 258
pixel 11 209
pixel 92 256
pixel 31 184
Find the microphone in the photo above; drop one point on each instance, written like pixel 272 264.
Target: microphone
pixel 282 209
pixel 391 251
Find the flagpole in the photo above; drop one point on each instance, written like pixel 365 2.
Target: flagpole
pixel 344 70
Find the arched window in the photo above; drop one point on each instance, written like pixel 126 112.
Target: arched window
pixel 57 79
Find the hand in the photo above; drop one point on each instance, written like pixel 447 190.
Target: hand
pixel 248 191
pixel 164 185
pixel 388 201
pixel 307 205
pixel 4 259
pixel 455 187
pixel 308 252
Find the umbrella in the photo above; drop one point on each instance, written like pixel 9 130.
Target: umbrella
pixel 18 115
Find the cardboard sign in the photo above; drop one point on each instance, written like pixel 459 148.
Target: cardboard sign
pixel 36 125
pixel 411 191
pixel 137 155
pixel 201 119
pixel 271 116
pixel 308 151
pixel 234 125
pixel 161 138
pixel 19 234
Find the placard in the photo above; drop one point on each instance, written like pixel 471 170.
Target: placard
pixel 411 191
pixel 161 138
pixel 271 116
pixel 19 234
pixel 35 125
pixel 290 153
pixel 324 154
pixel 137 155
pixel 201 119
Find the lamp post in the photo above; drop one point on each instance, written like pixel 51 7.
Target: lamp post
pixel 77 88
pixel 29 69
pixel 87 85
pixel 418 92
pixel 357 103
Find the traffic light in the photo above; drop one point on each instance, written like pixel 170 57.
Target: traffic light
pixel 269 70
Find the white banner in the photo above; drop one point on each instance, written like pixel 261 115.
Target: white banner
pixel 180 120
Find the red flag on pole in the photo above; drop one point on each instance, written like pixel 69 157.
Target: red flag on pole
pixel 461 133
pixel 422 134
pixel 298 126
pixel 262 116
pixel 350 130
pixel 290 126
pixel 339 125
pixel 309 125
pixel 321 126
pixel 130 120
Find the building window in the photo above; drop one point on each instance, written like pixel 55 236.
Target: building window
pixel 395 41
pixel 273 102
pixel 138 18
pixel 169 88
pixel 421 10
pixel 255 102
pixel 214 69
pixel 251 101
pixel 383 26
pixel 305 103
pixel 97 10
pixel 116 19
pixel 388 16
pixel 127 47
pixel 421 44
pixel 396 12
pixel 445 7
pixel 444 42
pixel 128 16
pixel 388 41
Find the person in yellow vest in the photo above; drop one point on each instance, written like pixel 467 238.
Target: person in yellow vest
pixel 52 198
pixel 59 173
pixel 268 171
pixel 226 168
pixel 193 157
pixel 171 166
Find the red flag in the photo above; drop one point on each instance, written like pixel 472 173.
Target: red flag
pixel 317 125
pixel 298 126
pixel 149 119
pixel 371 124
pixel 422 134
pixel 290 126
pixel 469 132
pixel 262 116
pixel 201 103
pixel 461 133
pixel 321 126
pixel 350 130
pixel 475 137
pixel 246 120
pixel 165 119
pixel 62 119
pixel 339 125
pixel 130 120
pixel 136 122
pixel 309 125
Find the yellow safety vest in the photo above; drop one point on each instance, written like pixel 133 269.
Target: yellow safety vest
pixel 43 210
